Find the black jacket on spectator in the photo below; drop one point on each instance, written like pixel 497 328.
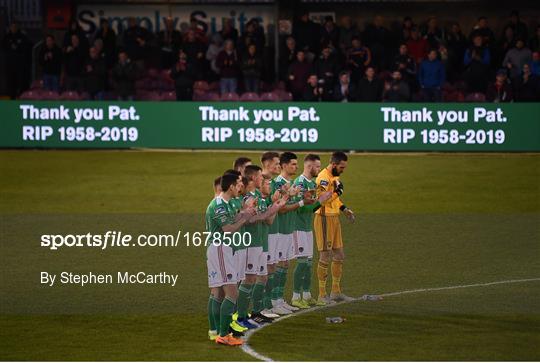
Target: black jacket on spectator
pixel 74 62
pixel 169 44
pixel 348 96
pixel 51 60
pixel 398 91
pixel 251 66
pixel 96 73
pixel 378 40
pixel 83 40
pixel 477 76
pixel 196 55
pixel 124 78
pixel 109 45
pixel 228 64
pixel 502 93
pixel 313 94
pixel 307 35
pixel 456 45
pixel 183 76
pixel 327 70
pixel 17 51
pixel 134 49
pixel 300 71
pixel 286 58
pixel 370 91
pixel 527 90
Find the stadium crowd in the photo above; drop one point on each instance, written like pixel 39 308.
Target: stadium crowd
pixel 317 62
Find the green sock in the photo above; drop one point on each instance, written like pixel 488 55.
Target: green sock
pixel 308 271
pixel 244 293
pixel 214 313
pixel 283 282
pixel 299 272
pixel 258 291
pixel 277 283
pixel 211 321
pixel 225 316
pixel 268 291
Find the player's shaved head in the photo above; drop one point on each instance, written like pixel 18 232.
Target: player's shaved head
pixel 232 171
pixel 312 157
pixel 269 156
pixel 270 163
pixel 251 171
pixel 312 165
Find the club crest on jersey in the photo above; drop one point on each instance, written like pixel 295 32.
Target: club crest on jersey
pixel 324 183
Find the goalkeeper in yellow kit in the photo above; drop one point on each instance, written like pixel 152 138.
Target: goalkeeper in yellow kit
pixel 328 229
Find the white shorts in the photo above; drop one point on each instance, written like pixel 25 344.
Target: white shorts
pixel 221 266
pixel 285 247
pixel 253 260
pixel 263 268
pixel 272 248
pixel 303 244
pixel 240 263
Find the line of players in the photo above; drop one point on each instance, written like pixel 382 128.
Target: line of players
pixel 280 215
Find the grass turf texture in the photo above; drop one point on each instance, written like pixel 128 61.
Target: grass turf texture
pixel 423 221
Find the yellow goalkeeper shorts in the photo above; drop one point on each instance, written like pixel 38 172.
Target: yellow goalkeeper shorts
pixel 327 232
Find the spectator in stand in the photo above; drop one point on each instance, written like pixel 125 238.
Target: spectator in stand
pixel 228 64
pixel 370 88
pixel 526 86
pixel 251 69
pixel 307 34
pixel 181 73
pixel 535 64
pixel 124 74
pixel 249 37
pixel 313 92
pixel 135 42
pixel 108 37
pixel 74 59
pixel 259 33
pixel 50 59
pixel 535 40
pixel 501 89
pixel 433 34
pixel 17 50
pixel 406 65
pixel 479 47
pixel 195 51
pixel 199 31
pixel 406 29
pixel 431 77
pixel 326 68
pixel 516 57
pixel 95 73
pixel 228 31
pixel 345 91
pixel 477 74
pixel 298 74
pixel 348 31
pixel 75 29
pixel 358 58
pixel 216 46
pixel 417 46
pixel 329 34
pixel 377 38
pixel 397 90
pixel 170 41
pixel 287 57
pixel 481 28
pixel 456 43
pixel 519 28
pixel 507 42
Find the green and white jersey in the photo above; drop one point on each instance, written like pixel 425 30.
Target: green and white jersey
pixel 274 227
pixel 265 228
pixel 218 214
pixel 254 229
pixel 286 221
pixel 304 215
pixel 236 206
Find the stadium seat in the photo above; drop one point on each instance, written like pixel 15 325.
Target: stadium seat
pixel 50 96
pixel 250 97
pixel 69 96
pixel 230 96
pixel 168 96
pixel 212 96
pixel 270 97
pixel 33 94
pixel 213 86
pixel 284 95
pixel 201 85
pixel 475 97
pixel 37 84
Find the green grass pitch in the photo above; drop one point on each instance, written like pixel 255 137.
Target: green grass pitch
pixel 423 220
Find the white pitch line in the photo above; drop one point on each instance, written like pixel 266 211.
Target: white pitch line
pixel 252 352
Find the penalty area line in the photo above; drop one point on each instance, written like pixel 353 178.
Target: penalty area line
pixel 252 352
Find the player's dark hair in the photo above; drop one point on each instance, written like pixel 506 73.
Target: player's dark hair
pixel 245 180
pixel 312 157
pixel 267 177
pixel 268 156
pixel 251 170
pixel 286 157
pixel 227 180
pixel 217 181
pixel 241 161
pixel 232 171
pixel 338 157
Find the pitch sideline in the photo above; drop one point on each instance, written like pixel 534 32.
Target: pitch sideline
pixel 252 352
